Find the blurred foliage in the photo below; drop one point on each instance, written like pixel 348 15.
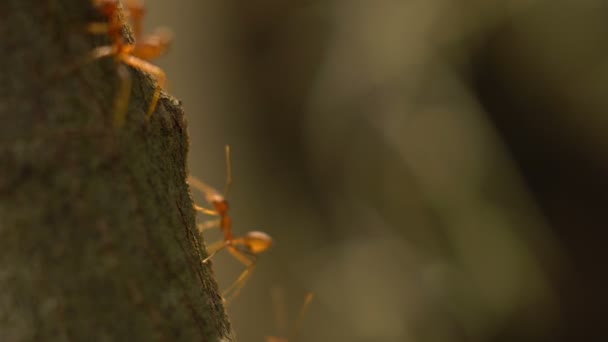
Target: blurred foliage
pixel 433 170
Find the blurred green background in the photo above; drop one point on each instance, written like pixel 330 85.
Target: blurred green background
pixel 433 170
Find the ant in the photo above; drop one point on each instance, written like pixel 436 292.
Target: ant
pixel 246 248
pixel 128 53
pixel 280 311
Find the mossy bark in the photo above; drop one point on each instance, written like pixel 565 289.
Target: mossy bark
pixel 97 230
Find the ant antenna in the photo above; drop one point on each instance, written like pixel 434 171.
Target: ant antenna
pixel 296 328
pixel 228 172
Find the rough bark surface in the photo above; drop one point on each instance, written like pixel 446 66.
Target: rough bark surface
pixel 97 230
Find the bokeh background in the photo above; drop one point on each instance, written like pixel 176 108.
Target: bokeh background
pixel 433 170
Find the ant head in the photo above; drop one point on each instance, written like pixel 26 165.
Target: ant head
pixel 107 7
pixel 219 203
pixel 258 242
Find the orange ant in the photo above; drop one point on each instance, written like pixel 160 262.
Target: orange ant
pixel 246 248
pixel 132 54
pixel 280 312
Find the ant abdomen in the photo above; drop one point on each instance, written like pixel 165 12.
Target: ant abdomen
pixel 258 242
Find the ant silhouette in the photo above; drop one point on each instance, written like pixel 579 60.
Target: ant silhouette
pixel 244 248
pixel 278 299
pixel 135 54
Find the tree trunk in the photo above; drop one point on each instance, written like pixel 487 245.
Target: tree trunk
pixel 97 232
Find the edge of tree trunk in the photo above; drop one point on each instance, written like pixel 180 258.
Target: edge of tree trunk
pixel 97 230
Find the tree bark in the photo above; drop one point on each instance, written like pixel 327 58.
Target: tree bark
pixel 97 231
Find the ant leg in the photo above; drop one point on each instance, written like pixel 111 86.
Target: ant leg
pixel 121 101
pixel 208 225
pixel 98 28
pixel 205 210
pixel 296 328
pixel 233 290
pixel 152 70
pixel 201 186
pixel 100 52
pixel 97 53
pixel 81 61
pixel 228 172
pixel 153 45
pixel 213 249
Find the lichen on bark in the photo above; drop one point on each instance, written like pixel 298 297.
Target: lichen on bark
pixel 97 231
